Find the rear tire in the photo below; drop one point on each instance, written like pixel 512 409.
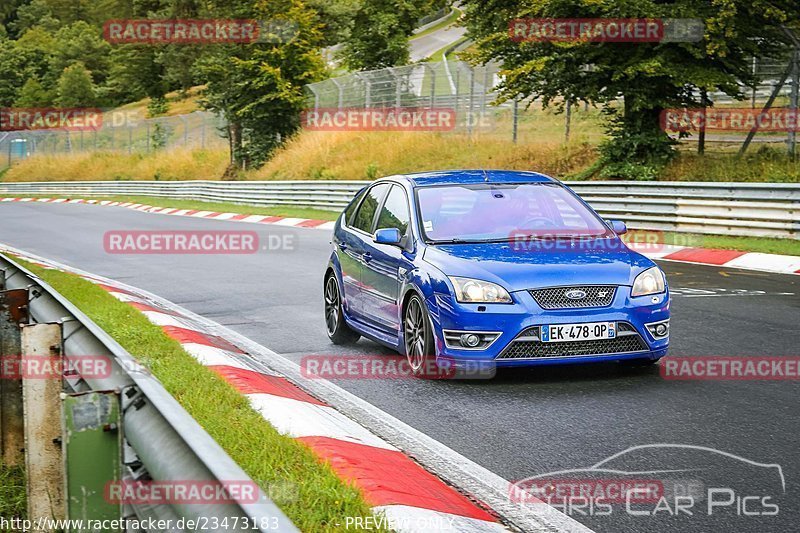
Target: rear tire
pixel 338 331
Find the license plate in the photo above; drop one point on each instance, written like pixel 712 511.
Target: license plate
pixel 579 332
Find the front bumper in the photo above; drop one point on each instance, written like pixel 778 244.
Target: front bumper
pixel 518 327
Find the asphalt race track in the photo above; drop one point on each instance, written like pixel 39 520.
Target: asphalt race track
pixel 523 422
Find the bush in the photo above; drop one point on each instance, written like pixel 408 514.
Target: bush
pixel 634 150
pixel 629 171
pixel 372 172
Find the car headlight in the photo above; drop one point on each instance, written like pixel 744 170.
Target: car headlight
pixel 477 291
pixel 651 281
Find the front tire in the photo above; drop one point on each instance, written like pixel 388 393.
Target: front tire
pixel 418 336
pixel 338 331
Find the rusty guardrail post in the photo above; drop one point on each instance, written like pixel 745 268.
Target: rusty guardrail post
pixel 41 397
pixel 13 313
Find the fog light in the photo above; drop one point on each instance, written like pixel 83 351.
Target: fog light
pixel 470 340
pixel 659 330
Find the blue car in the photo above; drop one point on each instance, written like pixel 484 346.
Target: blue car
pixel 475 268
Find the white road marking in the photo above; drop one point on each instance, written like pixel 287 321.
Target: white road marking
pixel 304 419
pixel 693 292
pixel 769 262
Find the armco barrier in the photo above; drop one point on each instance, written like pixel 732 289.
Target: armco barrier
pixel 749 209
pixel 120 425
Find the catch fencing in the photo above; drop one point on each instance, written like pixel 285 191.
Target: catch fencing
pixel 470 91
pixel 121 131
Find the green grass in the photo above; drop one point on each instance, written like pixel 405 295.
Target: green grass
pixel 761 164
pixel 307 490
pixel 12 493
pixel 446 21
pixel 726 242
pixel 278 211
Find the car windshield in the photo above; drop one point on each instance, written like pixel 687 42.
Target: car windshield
pixel 500 212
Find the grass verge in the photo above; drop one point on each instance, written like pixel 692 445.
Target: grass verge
pixel 307 490
pixel 222 207
pixel 177 164
pixel 366 155
pixel 12 493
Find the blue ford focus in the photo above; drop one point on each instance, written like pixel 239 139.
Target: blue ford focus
pixel 497 268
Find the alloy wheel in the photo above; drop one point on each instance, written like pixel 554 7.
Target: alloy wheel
pixel 331 305
pixel 415 334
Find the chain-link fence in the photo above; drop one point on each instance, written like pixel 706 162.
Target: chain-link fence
pixel 120 131
pixel 470 92
pixel 456 85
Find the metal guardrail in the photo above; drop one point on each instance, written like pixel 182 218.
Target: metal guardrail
pixel 159 440
pixel 747 209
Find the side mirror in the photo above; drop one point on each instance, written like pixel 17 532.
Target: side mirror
pixel 388 236
pixel 618 226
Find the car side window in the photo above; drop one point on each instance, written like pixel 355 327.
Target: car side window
pixel 365 215
pixel 351 209
pixel 394 213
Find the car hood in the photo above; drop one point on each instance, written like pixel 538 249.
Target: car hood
pixel 588 262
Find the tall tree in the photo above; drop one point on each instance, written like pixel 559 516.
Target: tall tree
pixel 259 87
pixel 335 17
pixel 82 42
pixel 648 77
pixel 380 32
pixel 75 87
pixel 33 94
pixel 13 74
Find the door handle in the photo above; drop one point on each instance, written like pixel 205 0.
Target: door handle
pixel 342 246
pixel 367 257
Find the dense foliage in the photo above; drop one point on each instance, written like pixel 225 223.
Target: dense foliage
pixel 634 82
pixel 53 53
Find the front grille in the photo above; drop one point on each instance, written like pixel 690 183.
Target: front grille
pixel 556 297
pixel 528 346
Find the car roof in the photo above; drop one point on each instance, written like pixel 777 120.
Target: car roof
pixel 450 177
